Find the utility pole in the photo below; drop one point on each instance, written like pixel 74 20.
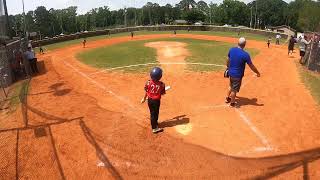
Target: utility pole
pixel 251 17
pixel 210 14
pixel 61 24
pixel 24 19
pixel 135 13
pixel 150 21
pixel 125 16
pixel 135 16
pixel 255 22
pixel 7 18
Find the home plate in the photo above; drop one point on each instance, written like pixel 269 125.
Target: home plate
pixel 184 129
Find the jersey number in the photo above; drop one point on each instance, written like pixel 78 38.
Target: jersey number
pixel 155 89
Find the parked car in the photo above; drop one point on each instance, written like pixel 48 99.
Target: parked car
pixel 198 23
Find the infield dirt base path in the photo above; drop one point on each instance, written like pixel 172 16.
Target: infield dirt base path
pixel 95 127
pixel 170 52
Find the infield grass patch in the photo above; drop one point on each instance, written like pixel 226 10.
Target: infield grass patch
pixel 135 52
pixel 123 54
pixel 59 45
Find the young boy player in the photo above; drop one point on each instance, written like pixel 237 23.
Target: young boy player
pixel 154 90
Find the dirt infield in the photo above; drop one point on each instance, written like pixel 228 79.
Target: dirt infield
pixel 86 125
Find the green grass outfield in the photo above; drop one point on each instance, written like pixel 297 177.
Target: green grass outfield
pixel 134 52
pixel 249 36
pixel 312 82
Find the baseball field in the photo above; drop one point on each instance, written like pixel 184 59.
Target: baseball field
pixel 81 117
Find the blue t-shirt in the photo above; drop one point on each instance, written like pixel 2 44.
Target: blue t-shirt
pixel 238 60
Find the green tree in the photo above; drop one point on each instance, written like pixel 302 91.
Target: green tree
pixel 194 15
pixel 309 16
pixel 232 12
pixel 42 20
pixel 186 5
pixel 270 12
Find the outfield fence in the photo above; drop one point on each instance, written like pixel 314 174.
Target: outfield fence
pixel 152 28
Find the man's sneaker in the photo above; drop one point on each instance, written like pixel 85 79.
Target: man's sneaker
pixel 234 105
pixel 228 99
pixel 157 130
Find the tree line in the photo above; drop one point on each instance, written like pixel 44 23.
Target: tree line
pixel 303 15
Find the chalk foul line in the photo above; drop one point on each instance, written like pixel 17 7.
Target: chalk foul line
pixel 160 63
pixel 122 99
pixel 262 138
pixel 245 119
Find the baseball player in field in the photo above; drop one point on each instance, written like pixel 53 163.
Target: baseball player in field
pixel 154 90
pixel 269 42
pixel 84 42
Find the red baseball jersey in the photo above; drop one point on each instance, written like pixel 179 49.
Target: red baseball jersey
pixel 154 89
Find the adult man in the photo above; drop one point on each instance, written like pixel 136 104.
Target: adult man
pixel 236 63
pixel 292 41
pixel 30 56
pixel 303 46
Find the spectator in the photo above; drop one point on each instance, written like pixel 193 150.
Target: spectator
pixel 30 57
pixel 303 46
pixel 291 45
pixel 278 37
pixel 269 41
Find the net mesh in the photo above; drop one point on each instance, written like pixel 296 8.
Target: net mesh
pixel 312 58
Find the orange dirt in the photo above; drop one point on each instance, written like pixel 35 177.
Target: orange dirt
pixel 95 128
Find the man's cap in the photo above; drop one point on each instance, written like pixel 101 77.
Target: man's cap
pixel 242 41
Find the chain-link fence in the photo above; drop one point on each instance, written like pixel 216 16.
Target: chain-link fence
pixel 12 63
pixel 313 55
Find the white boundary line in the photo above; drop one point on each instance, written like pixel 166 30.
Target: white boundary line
pixel 263 139
pixel 245 119
pixel 213 107
pixel 163 63
pixel 101 86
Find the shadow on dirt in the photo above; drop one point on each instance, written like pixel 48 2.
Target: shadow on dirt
pixel 243 101
pixel 56 90
pixel 263 168
pixel 179 120
pixel 285 163
pixel 99 151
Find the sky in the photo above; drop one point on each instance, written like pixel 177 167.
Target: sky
pixel 15 6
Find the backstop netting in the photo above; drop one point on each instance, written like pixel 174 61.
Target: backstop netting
pixel 9 50
pixel 312 58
